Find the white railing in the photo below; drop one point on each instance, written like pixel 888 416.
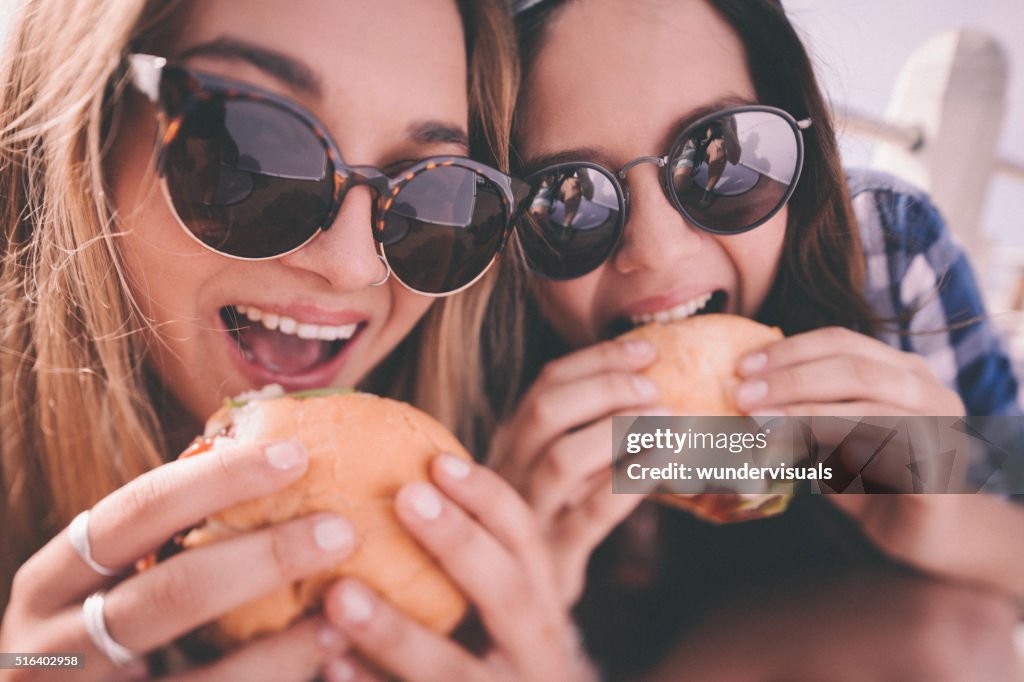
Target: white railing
pixel 910 138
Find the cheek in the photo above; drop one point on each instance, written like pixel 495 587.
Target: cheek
pixel 398 310
pixel 571 308
pixel 757 255
pixel 168 271
pixel 406 308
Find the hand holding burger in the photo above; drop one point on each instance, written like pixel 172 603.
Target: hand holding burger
pixel 433 532
pixel 555 449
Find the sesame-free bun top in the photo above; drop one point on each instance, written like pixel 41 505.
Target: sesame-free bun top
pixel 362 449
pixel 696 376
pixel 696 366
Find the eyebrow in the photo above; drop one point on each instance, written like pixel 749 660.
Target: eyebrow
pixel 435 132
pixel 299 76
pixel 690 117
pixel 291 71
pixel 601 156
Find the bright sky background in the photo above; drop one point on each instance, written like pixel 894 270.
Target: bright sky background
pixel 860 46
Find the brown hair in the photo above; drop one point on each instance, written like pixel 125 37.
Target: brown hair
pixel 821 272
pixel 77 416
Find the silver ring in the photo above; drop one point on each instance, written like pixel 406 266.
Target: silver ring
pixel 96 628
pixel 387 273
pixel 78 533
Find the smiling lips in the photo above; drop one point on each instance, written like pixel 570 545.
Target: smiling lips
pixel 712 301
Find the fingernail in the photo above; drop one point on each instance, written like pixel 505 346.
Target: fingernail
pixel 751 392
pixel 423 499
pixel 453 466
pixel 658 411
pixel 753 363
pixel 328 637
pixel 639 349
pixel 333 534
pixel 644 387
pixel 285 455
pixel 356 603
pixel 340 670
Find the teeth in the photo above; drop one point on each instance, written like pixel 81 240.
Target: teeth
pixel 303 330
pixel 679 312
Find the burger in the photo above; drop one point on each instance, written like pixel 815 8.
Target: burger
pixel 696 376
pixel 362 449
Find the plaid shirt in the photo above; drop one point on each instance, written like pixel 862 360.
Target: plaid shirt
pixel 919 277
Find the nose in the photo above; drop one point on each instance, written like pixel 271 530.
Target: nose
pixel 344 255
pixel 656 236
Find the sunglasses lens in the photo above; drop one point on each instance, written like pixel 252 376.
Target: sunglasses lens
pixel 444 228
pixel 735 171
pixel 572 224
pixel 247 178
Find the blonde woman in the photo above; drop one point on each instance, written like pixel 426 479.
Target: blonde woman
pixel 187 193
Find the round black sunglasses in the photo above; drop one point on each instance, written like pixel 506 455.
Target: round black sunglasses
pixel 726 173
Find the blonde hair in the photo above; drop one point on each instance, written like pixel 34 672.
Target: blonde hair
pixel 447 379
pixel 76 412
pixel 74 419
pixel 461 385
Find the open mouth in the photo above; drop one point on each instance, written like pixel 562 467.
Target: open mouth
pixel 705 304
pixel 282 345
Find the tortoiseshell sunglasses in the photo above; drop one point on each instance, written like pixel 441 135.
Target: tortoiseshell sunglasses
pixel 253 175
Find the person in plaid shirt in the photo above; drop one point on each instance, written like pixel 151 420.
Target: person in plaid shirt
pixel 919 278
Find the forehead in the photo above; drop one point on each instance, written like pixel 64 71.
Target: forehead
pixel 620 74
pixel 388 57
